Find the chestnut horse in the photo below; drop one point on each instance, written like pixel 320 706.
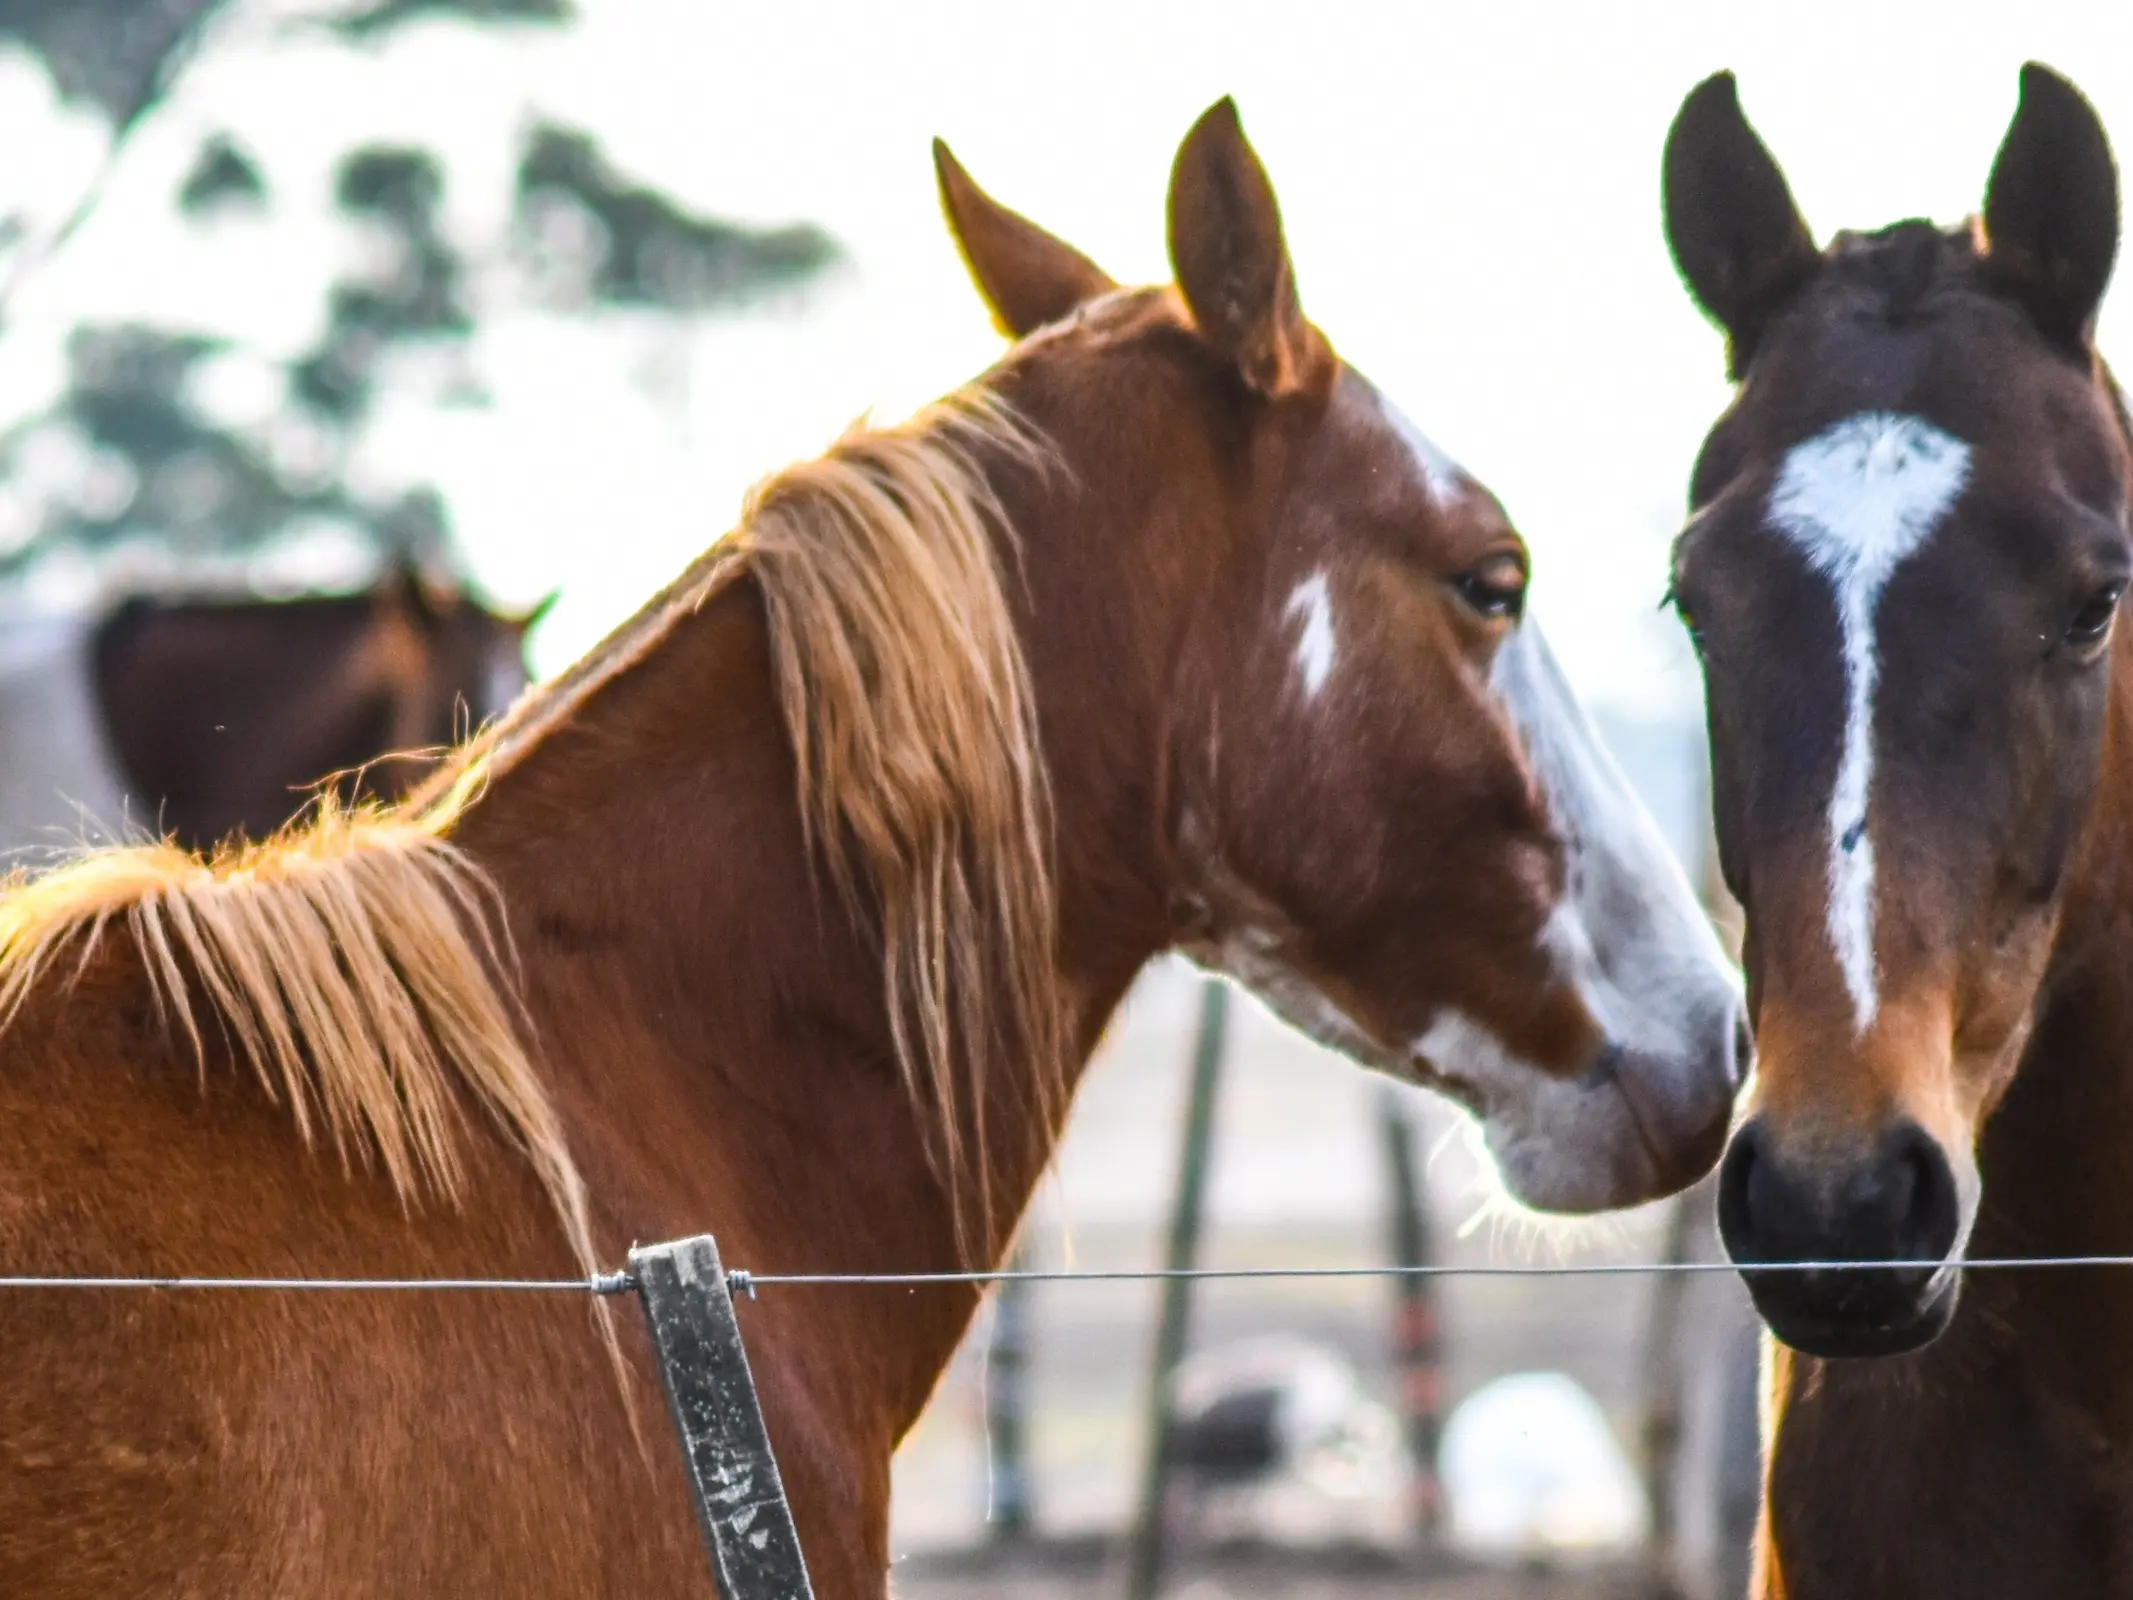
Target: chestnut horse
pixel 791 914
pixel 1904 567
pixel 202 717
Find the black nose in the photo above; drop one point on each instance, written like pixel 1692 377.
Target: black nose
pixel 1896 1202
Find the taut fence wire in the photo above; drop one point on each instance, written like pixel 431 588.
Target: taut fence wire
pixel 749 1283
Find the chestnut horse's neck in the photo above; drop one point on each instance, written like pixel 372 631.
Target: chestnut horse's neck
pixel 698 983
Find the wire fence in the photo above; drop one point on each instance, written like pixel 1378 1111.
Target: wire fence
pixel 602 1283
pixel 748 1283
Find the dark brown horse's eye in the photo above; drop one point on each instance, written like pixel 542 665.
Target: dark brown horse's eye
pixel 1673 601
pixel 2093 620
pixel 1496 588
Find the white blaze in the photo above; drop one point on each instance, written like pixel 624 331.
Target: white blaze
pixel 1312 601
pixel 1857 499
pixel 1630 931
pixel 1629 934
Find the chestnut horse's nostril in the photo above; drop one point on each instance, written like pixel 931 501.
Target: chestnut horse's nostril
pixel 1606 1065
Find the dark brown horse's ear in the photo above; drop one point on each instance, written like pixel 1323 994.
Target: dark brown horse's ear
pixel 402 587
pixel 2051 208
pixel 1028 278
pixel 1737 237
pixel 1231 260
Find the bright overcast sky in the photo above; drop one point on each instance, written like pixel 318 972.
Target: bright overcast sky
pixel 1470 190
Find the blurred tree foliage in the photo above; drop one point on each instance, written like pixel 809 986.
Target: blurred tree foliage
pixel 117 56
pixel 153 465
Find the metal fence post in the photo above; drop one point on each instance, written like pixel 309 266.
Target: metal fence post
pixel 1007 1406
pixel 1145 1555
pixel 733 1478
pixel 1418 1320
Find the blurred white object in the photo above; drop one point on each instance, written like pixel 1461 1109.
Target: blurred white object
pixel 1275 1440
pixel 59 781
pixel 1718 1476
pixel 1531 1469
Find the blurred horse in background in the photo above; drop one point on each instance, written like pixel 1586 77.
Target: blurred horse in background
pixel 198 718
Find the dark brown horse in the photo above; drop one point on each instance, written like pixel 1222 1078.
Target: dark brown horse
pixel 222 713
pixel 820 879
pixel 201 718
pixel 1905 568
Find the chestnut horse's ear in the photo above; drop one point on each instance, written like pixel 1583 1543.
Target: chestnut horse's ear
pixel 1231 260
pixel 2051 208
pixel 1027 277
pixel 1738 239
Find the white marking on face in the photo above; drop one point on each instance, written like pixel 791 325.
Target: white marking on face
pixel 1239 933
pixel 1629 935
pixel 1315 646
pixel 1630 929
pixel 1857 499
pixel 1447 480
pixel 1258 957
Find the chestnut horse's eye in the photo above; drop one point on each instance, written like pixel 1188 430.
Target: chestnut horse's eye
pixel 2093 621
pixel 1496 588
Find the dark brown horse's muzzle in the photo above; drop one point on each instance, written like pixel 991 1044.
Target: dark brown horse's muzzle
pixel 1793 1222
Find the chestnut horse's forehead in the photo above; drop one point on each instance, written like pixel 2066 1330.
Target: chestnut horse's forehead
pixel 1377 463
pixel 1445 481
pixel 1372 484
pixel 1364 418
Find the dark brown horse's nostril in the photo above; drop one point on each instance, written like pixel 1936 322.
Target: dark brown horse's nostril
pixel 1933 1217
pixel 1737 1174
pixel 1897 1204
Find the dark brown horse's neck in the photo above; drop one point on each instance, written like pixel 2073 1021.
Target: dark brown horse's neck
pixel 716 1028
pixel 2054 1158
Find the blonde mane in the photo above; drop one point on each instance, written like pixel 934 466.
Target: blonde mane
pixel 349 959
pixel 914 728
pixel 355 958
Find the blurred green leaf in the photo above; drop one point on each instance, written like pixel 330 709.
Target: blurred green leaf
pixel 370 21
pixel 149 463
pixel 114 55
pixel 222 176
pixel 609 240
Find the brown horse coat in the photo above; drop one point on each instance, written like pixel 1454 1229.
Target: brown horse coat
pixel 791 915
pixel 1906 568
